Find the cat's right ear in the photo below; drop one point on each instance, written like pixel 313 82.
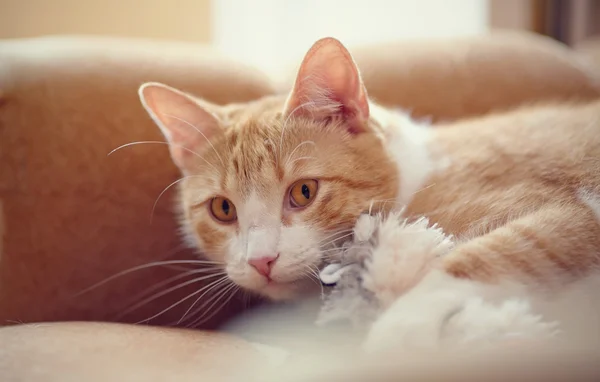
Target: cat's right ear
pixel 329 86
pixel 186 125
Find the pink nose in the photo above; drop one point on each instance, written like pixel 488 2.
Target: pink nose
pixel 263 264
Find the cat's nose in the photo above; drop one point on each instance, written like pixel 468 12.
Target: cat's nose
pixel 263 264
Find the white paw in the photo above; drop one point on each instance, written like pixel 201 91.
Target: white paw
pixel 415 320
pixel 402 254
pixel 445 312
pixel 482 322
pixel 365 227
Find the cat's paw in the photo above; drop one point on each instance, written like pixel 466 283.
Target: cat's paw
pixel 402 253
pixel 365 227
pixel 482 322
pixel 445 312
pixel 415 320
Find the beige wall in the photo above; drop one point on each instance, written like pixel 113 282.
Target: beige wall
pixel 168 19
pixel 511 14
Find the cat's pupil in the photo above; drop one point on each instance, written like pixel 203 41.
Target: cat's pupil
pixel 225 207
pixel 306 191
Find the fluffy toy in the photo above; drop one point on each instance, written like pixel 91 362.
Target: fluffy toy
pixel 376 287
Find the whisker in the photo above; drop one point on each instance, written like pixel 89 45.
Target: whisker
pixel 331 250
pixel 395 200
pixel 297 147
pixel 145 266
pixel 354 245
pixel 201 133
pixel 222 289
pixel 136 143
pixel 165 190
pixel 177 303
pixel 315 273
pixel 17 322
pixel 284 126
pixel 233 287
pixel 274 149
pixel 344 231
pixel 166 282
pixel 391 200
pixel 287 119
pixel 179 268
pixel 337 239
pixel 384 203
pixel 311 273
pixel 310 277
pixel 167 291
pixel 424 188
pixel 301 158
pixel 164 143
pixel 214 284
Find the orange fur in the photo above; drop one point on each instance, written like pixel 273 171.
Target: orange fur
pixel 513 198
pixel 251 154
pixel 254 160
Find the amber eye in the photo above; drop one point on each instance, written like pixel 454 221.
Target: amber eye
pixel 303 192
pixel 222 209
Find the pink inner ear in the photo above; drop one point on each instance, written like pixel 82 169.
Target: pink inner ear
pixel 187 126
pixel 328 85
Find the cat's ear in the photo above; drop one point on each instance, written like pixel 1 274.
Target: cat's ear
pixel 187 126
pixel 328 85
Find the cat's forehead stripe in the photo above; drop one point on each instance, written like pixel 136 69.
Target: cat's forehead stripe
pixel 253 158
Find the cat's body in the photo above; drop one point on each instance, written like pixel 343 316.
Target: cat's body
pixel 521 193
pixel 271 186
pixel 518 172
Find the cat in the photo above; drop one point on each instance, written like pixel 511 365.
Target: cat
pixel 269 187
pixel 270 184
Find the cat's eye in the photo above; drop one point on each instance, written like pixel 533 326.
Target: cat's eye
pixel 303 192
pixel 223 210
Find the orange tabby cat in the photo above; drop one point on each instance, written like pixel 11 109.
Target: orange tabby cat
pixel 270 186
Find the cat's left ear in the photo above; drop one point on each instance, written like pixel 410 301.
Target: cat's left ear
pixel 188 126
pixel 329 86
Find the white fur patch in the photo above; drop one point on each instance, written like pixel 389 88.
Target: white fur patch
pixel 260 227
pixel 364 227
pixel 404 253
pixel 443 311
pixel 407 143
pixel 482 322
pixel 591 200
pixel 415 319
pixel 253 210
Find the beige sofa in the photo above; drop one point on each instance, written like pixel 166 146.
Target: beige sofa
pixel 590 49
pixel 70 215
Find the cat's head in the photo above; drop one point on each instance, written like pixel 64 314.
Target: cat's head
pixel 271 186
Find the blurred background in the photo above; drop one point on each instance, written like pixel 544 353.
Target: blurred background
pixel 260 32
